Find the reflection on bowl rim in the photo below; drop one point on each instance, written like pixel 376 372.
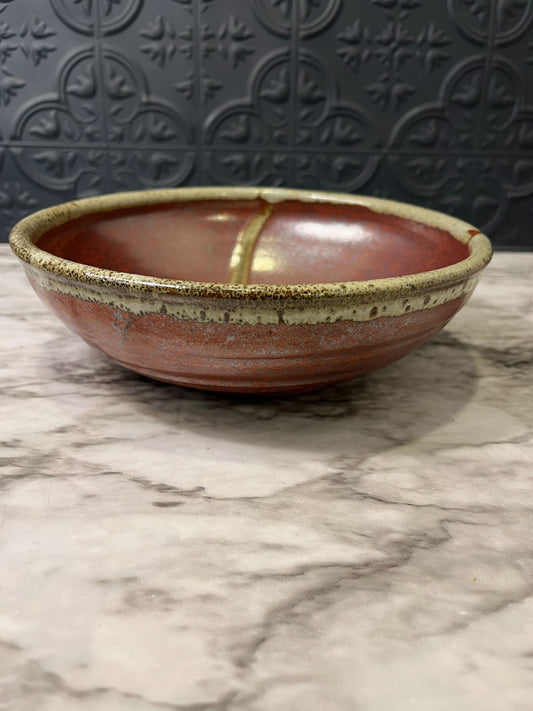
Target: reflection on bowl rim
pixel 27 232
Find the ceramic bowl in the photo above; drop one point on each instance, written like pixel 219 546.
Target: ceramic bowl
pixel 250 289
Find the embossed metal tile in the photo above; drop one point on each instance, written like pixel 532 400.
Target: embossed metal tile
pixel 428 102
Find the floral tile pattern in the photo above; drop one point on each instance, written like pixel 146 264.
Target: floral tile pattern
pixel 431 103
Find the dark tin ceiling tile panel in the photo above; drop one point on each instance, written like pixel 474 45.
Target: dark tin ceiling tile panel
pixel 427 102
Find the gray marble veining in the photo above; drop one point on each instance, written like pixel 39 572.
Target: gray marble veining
pixel 362 548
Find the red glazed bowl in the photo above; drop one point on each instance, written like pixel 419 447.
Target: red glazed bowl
pixel 250 289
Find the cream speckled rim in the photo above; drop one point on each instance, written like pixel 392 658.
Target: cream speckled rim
pixel 27 232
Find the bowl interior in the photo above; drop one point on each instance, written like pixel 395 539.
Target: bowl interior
pixel 251 241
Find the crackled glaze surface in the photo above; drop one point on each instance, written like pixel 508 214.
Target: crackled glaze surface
pixel 313 288
pixel 364 547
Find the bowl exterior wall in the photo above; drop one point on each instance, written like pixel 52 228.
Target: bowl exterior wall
pixel 246 357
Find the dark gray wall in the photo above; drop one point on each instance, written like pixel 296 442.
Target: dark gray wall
pixel 428 101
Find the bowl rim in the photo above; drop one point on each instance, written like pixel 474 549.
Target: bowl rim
pixel 26 232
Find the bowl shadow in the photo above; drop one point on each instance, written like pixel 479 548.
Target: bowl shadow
pixel 398 405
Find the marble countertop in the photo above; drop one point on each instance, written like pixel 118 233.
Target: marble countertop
pixel 363 548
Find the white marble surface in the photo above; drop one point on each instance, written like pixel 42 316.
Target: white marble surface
pixel 364 548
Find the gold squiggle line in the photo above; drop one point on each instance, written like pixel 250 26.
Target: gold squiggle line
pixel 243 251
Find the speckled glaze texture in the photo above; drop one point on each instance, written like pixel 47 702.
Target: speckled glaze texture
pixel 243 336
pixel 366 547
